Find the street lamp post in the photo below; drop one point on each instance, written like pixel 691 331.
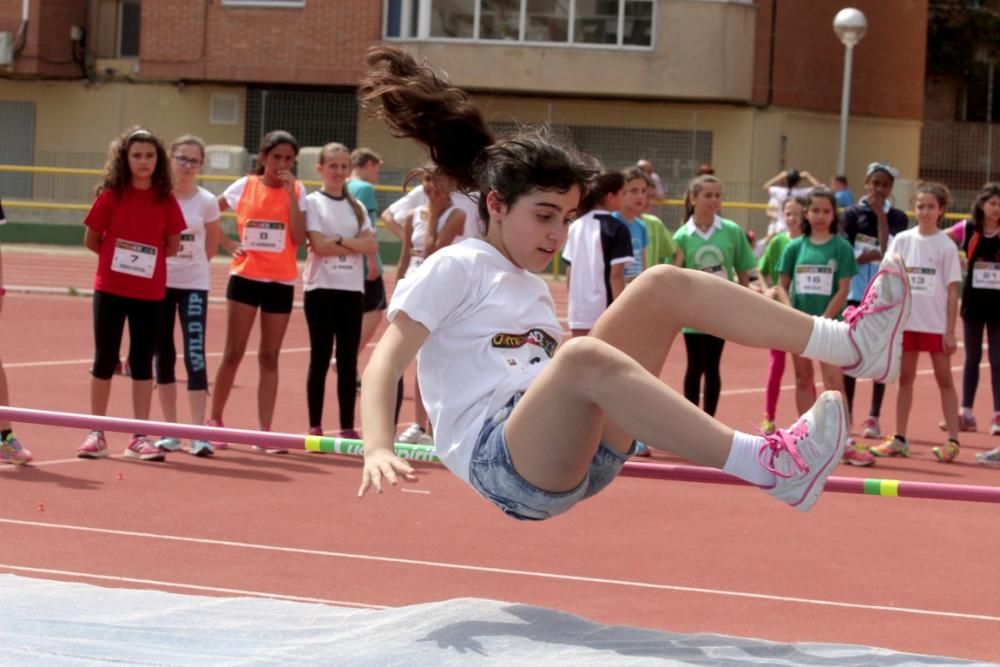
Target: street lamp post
pixel 850 25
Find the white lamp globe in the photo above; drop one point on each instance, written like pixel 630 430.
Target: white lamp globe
pixel 850 25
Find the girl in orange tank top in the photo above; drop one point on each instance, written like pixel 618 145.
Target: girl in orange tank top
pixel 270 216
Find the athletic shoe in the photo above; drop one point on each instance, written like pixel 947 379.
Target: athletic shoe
pixel 12 452
pixel 995 425
pixel 803 456
pixel 767 426
pixel 641 449
pixel 893 445
pixel 94 447
pixel 316 430
pixel 169 444
pixel 412 434
pixel 349 434
pixel 201 448
pixel 870 428
pixel 217 444
pixel 857 455
pixel 140 447
pixel 947 452
pixel 965 424
pixel 990 458
pixel 876 325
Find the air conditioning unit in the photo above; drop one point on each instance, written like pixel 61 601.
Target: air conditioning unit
pixel 6 48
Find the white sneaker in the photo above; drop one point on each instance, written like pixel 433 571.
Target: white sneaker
pixel 803 456
pixel 412 434
pixel 876 325
pixel 169 444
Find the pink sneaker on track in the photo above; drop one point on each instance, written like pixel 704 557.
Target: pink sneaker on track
pixel 142 448
pixel 93 447
pixel 803 456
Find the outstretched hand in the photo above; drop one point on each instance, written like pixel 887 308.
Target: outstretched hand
pixel 384 465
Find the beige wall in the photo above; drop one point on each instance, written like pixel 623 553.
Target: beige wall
pixel 702 50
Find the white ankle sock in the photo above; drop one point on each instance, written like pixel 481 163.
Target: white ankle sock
pixel 743 461
pixel 830 342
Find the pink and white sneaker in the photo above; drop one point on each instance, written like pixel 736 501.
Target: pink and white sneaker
pixel 803 456
pixel 142 448
pixel 876 325
pixel 870 428
pixel 93 447
pixel 216 444
pixel 12 452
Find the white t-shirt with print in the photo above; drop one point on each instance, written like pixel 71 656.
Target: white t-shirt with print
pixel 493 328
pixel 333 217
pixel 469 204
pixel 932 263
pixel 188 269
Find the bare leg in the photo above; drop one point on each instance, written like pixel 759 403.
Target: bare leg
pixel 142 398
pixel 805 382
pixel 420 412
pixel 168 401
pixel 100 392
pixel 904 395
pixel 369 324
pixel 197 399
pixel 272 333
pixel 949 397
pixel 833 380
pixel 643 324
pixel 240 319
pixel 4 398
pixel 552 438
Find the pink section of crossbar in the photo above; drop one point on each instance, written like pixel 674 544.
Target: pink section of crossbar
pixel 906 489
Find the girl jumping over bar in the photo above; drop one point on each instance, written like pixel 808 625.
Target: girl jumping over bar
pixel 534 431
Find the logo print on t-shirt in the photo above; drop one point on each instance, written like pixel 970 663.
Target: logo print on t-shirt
pixel 523 350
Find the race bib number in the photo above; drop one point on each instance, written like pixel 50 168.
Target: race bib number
pixel 814 279
pixel 986 275
pixel 186 251
pixel 135 259
pixel 338 263
pixel 922 280
pixel 718 270
pixel 864 243
pixel 264 236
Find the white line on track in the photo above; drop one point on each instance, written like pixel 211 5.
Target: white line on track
pixel 507 572
pixel 39 464
pixel 420 491
pixel 192 587
pixel 88 360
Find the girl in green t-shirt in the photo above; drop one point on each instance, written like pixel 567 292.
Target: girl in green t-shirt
pixel 816 270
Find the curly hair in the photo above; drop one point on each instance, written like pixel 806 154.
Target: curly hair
pixel 118 174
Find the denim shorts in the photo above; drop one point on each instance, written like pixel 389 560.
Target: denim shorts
pixel 492 474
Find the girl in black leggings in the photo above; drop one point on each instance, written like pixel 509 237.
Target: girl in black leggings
pixel 339 234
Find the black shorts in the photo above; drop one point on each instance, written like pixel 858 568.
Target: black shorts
pixel 270 297
pixel 375 295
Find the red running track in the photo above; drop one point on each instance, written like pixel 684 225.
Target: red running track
pixel 911 575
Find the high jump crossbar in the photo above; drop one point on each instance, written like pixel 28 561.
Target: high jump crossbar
pixel 351 447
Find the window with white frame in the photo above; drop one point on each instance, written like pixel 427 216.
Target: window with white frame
pixel 611 23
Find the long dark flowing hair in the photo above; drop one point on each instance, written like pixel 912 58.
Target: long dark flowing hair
pixel 416 102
